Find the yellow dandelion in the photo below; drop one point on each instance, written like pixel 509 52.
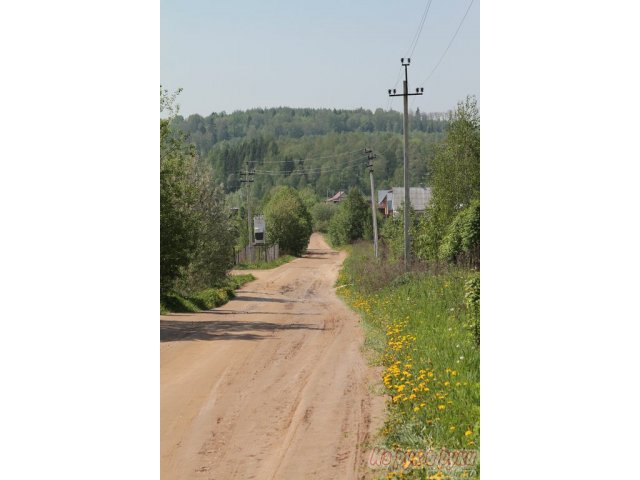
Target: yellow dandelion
pixel 467 433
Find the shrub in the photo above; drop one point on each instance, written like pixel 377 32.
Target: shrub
pixel 288 222
pixel 351 221
pixel 322 213
pixel 462 237
pixel 472 302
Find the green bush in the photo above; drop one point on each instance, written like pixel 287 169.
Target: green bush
pixel 352 221
pixel 472 302
pixel 454 175
pixel 322 213
pixel 288 222
pixel 462 236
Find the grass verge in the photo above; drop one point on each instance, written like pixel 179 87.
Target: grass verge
pixel 265 265
pixel 205 299
pixel 425 331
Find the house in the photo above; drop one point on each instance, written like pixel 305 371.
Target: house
pixel 337 198
pixel 418 197
pixel 383 200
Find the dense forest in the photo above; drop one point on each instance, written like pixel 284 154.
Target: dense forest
pixel 319 148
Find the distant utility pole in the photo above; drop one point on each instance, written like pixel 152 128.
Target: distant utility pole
pixel 405 128
pixel 370 157
pixel 248 179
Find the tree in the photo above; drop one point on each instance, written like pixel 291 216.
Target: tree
pixel 351 220
pixel 322 213
pixel 454 177
pixel 288 222
pixel 196 235
pixel 178 222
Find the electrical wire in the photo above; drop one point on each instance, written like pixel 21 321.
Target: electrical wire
pixel 341 154
pixel 416 37
pixel 449 45
pixel 310 170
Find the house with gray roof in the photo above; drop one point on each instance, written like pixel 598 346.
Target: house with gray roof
pixel 392 201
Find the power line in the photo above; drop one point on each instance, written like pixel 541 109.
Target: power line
pixel 416 37
pixel 311 170
pixel 450 42
pixel 312 158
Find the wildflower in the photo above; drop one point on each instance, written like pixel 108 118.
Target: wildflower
pixel 467 433
pixel 441 407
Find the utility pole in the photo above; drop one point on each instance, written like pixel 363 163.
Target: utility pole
pixel 370 157
pixel 405 128
pixel 248 179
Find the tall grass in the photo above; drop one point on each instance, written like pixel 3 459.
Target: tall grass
pixel 430 354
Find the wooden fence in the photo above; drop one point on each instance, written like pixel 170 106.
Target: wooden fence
pixel 258 253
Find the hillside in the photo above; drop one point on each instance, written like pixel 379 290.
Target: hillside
pixel 320 148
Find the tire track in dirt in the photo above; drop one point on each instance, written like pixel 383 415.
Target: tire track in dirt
pixel 272 385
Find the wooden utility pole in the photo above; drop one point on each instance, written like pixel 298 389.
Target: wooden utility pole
pixel 248 179
pixel 405 128
pixel 370 157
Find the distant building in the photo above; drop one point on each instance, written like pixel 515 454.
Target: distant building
pixel 392 200
pixel 337 198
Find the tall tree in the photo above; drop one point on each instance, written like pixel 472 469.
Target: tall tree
pixel 454 176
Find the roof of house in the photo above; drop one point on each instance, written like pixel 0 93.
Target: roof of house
pixel 381 195
pixel 418 196
pixel 337 197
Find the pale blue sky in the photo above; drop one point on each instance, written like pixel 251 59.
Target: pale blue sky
pixel 240 54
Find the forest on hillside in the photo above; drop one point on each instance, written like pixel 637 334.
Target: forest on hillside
pixel 317 148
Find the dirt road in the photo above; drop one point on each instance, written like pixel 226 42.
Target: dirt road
pixel 272 385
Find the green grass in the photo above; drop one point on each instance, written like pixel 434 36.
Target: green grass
pixel 265 265
pixel 420 329
pixel 205 299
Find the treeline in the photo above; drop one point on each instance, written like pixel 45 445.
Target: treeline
pixel 319 148
pixel 284 122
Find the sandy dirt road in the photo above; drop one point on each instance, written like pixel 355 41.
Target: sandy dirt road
pixel 272 385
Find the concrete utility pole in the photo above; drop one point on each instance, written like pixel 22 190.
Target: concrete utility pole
pixel 405 128
pixel 248 179
pixel 370 157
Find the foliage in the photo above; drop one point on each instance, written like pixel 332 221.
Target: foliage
pixel 392 232
pixel 462 236
pixel 196 235
pixel 472 301
pixel 352 220
pixel 324 159
pixel 205 299
pixel 454 177
pixel 308 197
pixel 322 212
pixel 430 357
pixel 288 222
pixel 178 199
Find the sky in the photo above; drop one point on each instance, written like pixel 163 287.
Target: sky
pixel 242 54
